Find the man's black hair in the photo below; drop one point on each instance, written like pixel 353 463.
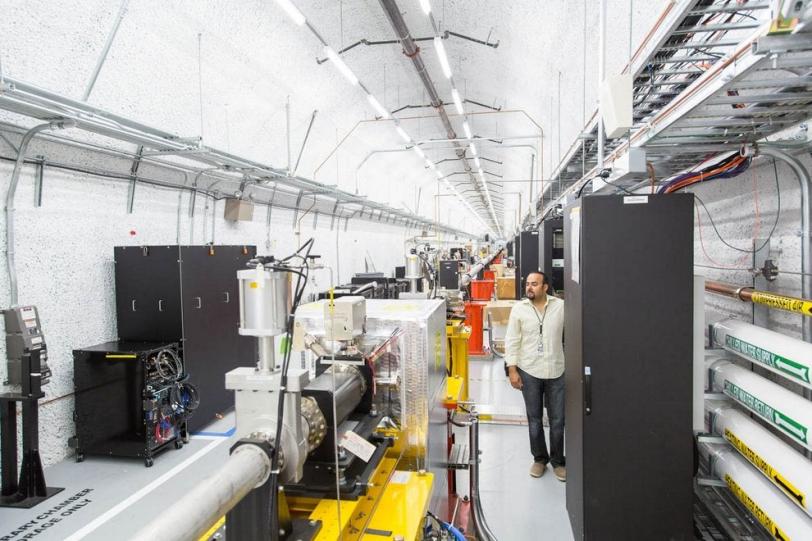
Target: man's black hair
pixel 544 279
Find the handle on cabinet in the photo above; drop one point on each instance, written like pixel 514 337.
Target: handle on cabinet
pixel 133 305
pixel 587 390
pixel 160 305
pixel 199 301
pixel 228 297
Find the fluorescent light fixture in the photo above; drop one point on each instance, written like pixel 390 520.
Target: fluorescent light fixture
pixel 481 175
pixel 292 11
pixel 403 134
pixel 440 175
pixel 340 65
pixel 426 5
pixel 419 152
pixel 430 164
pixel 473 149
pixel 467 129
pixel 380 109
pixel 457 101
pixel 441 56
pixel 476 162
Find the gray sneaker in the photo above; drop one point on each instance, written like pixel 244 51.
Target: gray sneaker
pixel 538 469
pixel 560 473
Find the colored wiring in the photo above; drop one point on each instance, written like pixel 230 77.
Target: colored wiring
pixel 730 166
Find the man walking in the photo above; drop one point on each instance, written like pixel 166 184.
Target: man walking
pixel 534 353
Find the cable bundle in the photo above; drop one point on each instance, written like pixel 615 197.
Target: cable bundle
pixel 730 166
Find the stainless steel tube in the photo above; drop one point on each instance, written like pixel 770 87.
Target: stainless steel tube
pixel 191 516
pixel 481 529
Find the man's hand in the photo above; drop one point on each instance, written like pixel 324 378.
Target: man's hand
pixel 515 379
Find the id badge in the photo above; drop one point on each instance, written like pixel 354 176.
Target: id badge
pixel 540 350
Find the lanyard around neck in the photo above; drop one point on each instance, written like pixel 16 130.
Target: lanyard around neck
pixel 543 315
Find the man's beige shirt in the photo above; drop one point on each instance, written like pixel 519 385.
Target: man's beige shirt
pixel 522 337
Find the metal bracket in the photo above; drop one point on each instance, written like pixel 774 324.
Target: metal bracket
pixel 134 179
pixel 38 180
pixel 708 482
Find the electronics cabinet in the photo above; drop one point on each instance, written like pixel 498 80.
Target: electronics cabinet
pixel 189 295
pixel 628 275
pixel 124 394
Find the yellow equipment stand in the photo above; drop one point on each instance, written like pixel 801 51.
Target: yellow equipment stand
pixel 457 362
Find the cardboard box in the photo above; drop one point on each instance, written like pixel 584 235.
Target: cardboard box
pixel 506 288
pixel 498 269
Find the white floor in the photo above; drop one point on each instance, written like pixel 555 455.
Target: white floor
pixel 107 498
pixel 517 506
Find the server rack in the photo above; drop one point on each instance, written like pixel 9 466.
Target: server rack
pixel 552 252
pixel 527 261
pixel 187 294
pixel 628 366
pixel 123 400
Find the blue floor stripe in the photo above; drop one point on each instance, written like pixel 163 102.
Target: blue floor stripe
pixel 226 434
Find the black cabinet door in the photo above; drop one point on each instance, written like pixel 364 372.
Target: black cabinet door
pixel 200 334
pixel 147 293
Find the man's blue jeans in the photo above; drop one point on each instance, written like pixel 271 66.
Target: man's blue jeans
pixel 533 390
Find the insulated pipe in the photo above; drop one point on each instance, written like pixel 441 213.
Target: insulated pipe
pixel 782 519
pixel 191 516
pixel 781 464
pixel 780 407
pixel 466 278
pixel 361 289
pixel 773 300
pixel 12 190
pixel 788 357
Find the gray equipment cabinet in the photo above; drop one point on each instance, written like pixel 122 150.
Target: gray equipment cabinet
pixel 629 439
pixel 187 294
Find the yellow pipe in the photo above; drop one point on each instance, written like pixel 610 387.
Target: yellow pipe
pixel 773 300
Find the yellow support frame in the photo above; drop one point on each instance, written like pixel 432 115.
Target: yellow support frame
pixel 457 362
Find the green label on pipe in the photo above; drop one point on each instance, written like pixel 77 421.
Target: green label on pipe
pixel 782 364
pixel 782 421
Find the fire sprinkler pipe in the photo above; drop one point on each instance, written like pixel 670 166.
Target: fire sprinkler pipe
pixel 788 357
pixel 772 300
pixel 788 412
pixel 768 506
pixel 782 465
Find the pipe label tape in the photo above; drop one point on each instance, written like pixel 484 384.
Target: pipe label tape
pixel 782 364
pixel 753 507
pixel 783 303
pixel 754 458
pixel 782 421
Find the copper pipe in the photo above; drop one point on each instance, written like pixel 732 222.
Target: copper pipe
pixel 771 300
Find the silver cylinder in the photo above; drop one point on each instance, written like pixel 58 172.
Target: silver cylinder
pixel 413 271
pixel 264 302
pixel 192 515
pixel 349 388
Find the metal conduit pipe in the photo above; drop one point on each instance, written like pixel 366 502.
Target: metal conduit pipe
pixel 806 221
pixel 190 517
pixel 481 530
pixel 412 51
pixel 772 300
pixel 11 191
